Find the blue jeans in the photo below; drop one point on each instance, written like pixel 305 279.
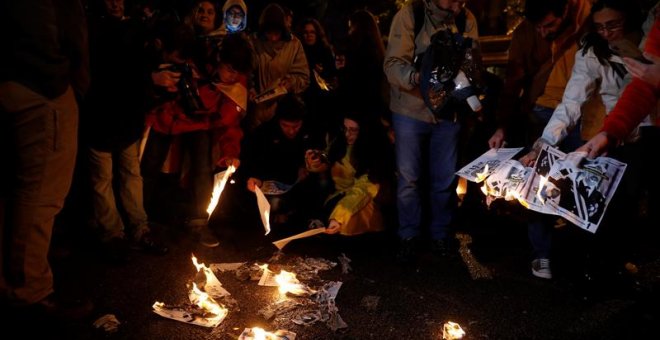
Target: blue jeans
pixel 418 143
pixel 539 229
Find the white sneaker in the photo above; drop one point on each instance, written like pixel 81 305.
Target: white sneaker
pixel 541 268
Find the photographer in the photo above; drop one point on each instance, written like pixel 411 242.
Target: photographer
pixel 199 118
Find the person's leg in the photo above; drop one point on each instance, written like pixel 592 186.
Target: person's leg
pixel 130 190
pixel 44 141
pixel 442 167
pixel 106 215
pixel 201 171
pixel 410 134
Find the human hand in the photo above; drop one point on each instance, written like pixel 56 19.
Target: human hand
pixel 596 146
pixel 333 227
pixel 253 182
pixel 252 94
pixel 649 73
pixel 166 78
pixel 496 141
pixel 314 161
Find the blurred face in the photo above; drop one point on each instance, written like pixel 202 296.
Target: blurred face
pixel 453 6
pixel 290 129
pixel 114 8
pixel 609 24
pixel 228 75
pixel 205 17
pixel 351 131
pixel 273 36
pixel 551 26
pixel 309 35
pixel 235 16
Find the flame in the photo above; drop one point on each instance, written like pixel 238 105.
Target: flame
pixel 258 333
pixel 452 330
pixel 205 302
pixel 218 187
pixel 482 175
pixel 288 283
pixel 542 183
pixel 461 188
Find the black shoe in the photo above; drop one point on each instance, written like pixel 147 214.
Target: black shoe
pixel 444 248
pixel 116 250
pixel 407 251
pixel 56 307
pixel 148 244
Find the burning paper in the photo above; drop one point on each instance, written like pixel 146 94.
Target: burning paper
pixel 571 186
pixel 288 283
pixel 267 278
pixel 256 333
pixel 209 281
pixel 487 164
pixel 203 310
pixel 452 331
pixel 264 208
pixel 219 182
pixel 283 242
pixel 108 322
pixel 188 314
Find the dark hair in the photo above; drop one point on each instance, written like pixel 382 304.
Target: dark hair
pixel 290 108
pixel 372 152
pixel 236 52
pixel 190 18
pixel 321 38
pixel 633 20
pixel 366 35
pixel 273 19
pixel 537 10
pixel 175 36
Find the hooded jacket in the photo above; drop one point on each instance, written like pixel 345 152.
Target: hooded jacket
pixel 403 46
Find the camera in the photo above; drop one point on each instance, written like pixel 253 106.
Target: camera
pixel 190 98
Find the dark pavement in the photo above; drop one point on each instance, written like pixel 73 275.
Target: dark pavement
pixel 415 301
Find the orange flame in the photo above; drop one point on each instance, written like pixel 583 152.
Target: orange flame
pixel 452 330
pixel 218 187
pixel 288 283
pixel 482 175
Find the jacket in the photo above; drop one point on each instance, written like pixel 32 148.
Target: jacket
pixel 587 74
pixel 403 46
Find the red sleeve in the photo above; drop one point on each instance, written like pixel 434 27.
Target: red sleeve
pixel 638 99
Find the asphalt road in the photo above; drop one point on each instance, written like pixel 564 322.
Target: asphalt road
pixel 413 301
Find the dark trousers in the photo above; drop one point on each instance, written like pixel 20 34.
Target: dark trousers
pixel 39 143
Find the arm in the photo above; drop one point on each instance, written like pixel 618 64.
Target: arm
pixel 638 99
pixel 297 79
pixel 398 65
pixel 360 194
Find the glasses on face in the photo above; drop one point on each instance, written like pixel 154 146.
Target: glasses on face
pixel 610 26
pixel 350 130
pixel 236 14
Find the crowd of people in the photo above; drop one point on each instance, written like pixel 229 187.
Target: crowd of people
pixel 349 131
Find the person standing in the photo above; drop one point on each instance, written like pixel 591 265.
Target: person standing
pixel 421 138
pixel 43 67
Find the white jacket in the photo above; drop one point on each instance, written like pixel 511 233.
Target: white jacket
pixel 585 78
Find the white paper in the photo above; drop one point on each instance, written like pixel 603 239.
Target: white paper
pixel 267 279
pixel 283 242
pixel 264 208
pixel 493 158
pixel 225 267
pixel 274 91
pixel 187 314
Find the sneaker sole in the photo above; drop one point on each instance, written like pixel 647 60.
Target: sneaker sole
pixel 541 275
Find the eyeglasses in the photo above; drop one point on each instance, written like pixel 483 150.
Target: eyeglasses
pixel 351 130
pixel 610 26
pixel 236 14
